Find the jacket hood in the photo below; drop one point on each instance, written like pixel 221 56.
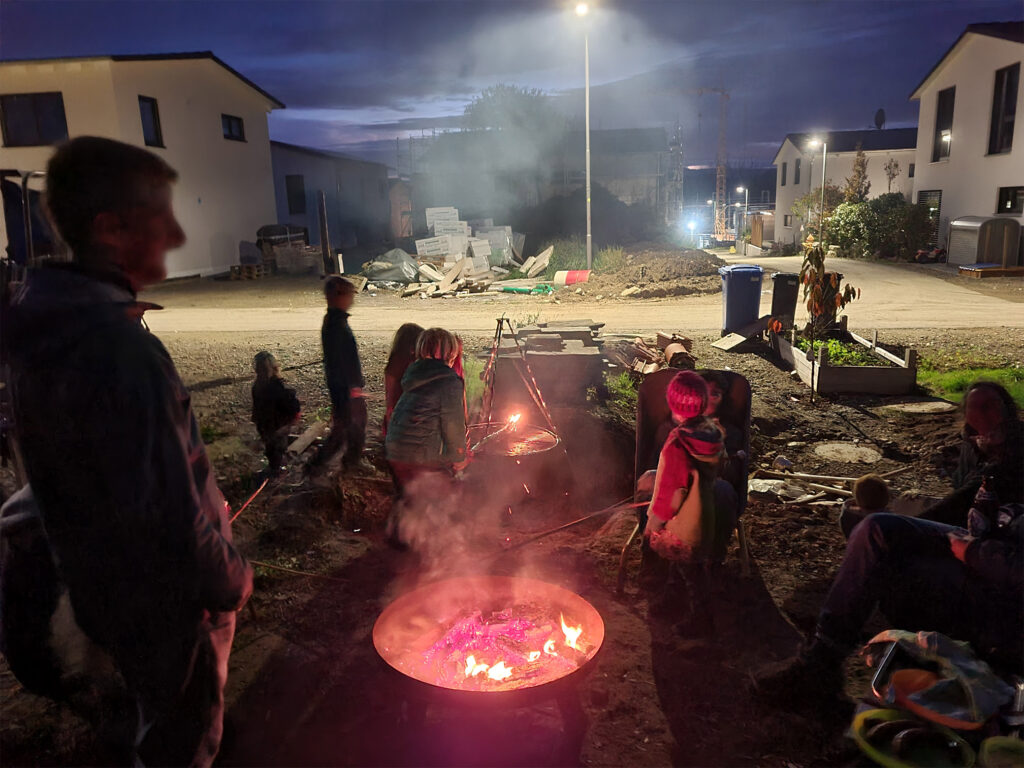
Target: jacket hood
pixel 426 371
pixel 59 306
pixel 703 441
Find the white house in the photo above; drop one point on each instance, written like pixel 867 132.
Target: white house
pixel 798 168
pixel 356 192
pixel 204 118
pixel 970 162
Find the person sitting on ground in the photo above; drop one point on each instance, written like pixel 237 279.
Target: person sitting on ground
pixel 344 374
pixel 688 464
pixel 275 408
pixel 992 446
pixel 730 468
pixel 401 356
pixel 924 576
pixel 427 434
pixel 870 495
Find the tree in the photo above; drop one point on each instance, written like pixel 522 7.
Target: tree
pixel 892 170
pixel 511 108
pixel 857 184
pixel 808 207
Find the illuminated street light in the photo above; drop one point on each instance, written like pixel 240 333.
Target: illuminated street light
pixel 582 9
pixel 824 161
pixel 746 200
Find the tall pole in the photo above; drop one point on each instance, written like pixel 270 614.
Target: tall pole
pixel 746 202
pixel 586 109
pixel 821 213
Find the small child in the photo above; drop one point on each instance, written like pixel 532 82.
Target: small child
pixel 870 495
pixel 275 408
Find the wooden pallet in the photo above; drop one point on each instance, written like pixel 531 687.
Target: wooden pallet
pixel 978 271
pixel 249 271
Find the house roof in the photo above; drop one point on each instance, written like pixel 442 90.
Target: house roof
pixel 158 57
pixel 1003 30
pixel 321 153
pixel 870 140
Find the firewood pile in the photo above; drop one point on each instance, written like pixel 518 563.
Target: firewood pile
pixel 639 356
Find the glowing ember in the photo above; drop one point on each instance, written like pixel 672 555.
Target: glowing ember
pixel 514 419
pixel 572 634
pixel 533 656
pixel 499 671
pixel 549 648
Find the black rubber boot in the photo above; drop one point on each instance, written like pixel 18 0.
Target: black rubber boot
pixel 813 677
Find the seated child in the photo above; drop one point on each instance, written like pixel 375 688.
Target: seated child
pixel 688 464
pixel 870 495
pixel 275 408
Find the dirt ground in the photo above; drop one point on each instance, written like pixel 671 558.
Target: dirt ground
pixel 306 687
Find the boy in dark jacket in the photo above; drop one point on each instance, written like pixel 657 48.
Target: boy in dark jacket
pixel 112 450
pixel 344 375
pixel 275 408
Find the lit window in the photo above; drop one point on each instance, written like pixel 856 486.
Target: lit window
pixel 911 172
pixel 787 220
pixel 796 171
pixel 943 125
pixel 782 183
pixel 1011 200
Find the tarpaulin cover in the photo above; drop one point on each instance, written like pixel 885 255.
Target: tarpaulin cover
pixel 396 265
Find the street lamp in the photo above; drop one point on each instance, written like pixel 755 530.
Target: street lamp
pixel 746 199
pixel 582 9
pixel 824 162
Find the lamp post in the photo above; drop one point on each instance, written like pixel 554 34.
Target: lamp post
pixel 582 9
pixel 746 203
pixel 714 210
pixel 824 163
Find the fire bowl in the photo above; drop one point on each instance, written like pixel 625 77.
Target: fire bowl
pixel 487 638
pixel 510 439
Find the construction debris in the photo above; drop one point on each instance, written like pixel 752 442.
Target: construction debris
pixel 643 358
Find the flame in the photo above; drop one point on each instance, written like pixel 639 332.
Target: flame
pixel 572 634
pixel 473 669
pixel 549 647
pixel 514 418
pixel 499 671
pixel 533 656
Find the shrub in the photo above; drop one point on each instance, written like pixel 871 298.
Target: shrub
pixel 887 226
pixel 571 253
pixel 852 228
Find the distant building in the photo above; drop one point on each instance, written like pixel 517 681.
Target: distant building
pixel 969 161
pixel 631 163
pixel 798 168
pixel 356 192
pixel 200 115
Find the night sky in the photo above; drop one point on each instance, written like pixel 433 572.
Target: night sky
pixel 357 74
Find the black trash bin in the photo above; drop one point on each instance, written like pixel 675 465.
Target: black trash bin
pixel 785 290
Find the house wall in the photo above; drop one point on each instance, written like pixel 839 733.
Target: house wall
pixel 318 176
pixel 224 192
pixel 838 168
pixel 970 178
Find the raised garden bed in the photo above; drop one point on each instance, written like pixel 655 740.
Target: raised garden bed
pixel 891 376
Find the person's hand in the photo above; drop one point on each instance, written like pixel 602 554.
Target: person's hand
pixel 654 524
pixel 958 544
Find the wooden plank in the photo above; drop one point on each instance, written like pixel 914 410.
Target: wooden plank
pixel 452 275
pixel 358 281
pixel 729 342
pixel 542 262
pixel 528 265
pixel 430 273
pixel 303 441
pixel 882 353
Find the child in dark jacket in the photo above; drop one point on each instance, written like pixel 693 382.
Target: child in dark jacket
pixel 275 408
pixel 401 356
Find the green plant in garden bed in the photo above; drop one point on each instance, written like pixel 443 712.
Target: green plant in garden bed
pixel 842 352
pixel 951 385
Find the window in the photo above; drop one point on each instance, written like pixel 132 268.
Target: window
pixel 151 132
pixel 910 173
pixel 1011 200
pixel 943 124
pixel 295 186
pixel 787 220
pixel 1004 108
pixel 932 201
pixel 782 182
pixel 796 171
pixel 233 127
pixel 33 119
pixel 765 196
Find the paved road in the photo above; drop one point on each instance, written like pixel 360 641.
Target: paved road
pixel 893 296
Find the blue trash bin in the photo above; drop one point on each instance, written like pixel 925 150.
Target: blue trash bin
pixel 741 296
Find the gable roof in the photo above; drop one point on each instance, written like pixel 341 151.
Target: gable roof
pixel 191 55
pixel 327 155
pixel 871 140
pixel 1012 31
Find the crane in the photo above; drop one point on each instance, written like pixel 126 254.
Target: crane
pixel 720 232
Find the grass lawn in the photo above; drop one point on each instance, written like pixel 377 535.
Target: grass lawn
pixel 952 384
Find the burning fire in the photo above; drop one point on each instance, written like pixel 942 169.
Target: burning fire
pixel 572 634
pixel 514 419
pixel 482 639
